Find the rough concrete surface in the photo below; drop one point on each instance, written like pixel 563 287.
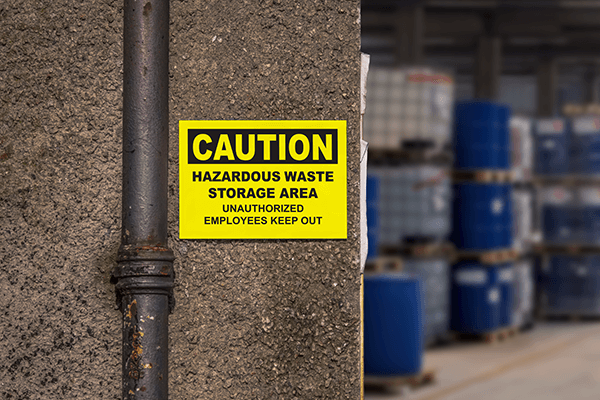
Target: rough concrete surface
pixel 254 319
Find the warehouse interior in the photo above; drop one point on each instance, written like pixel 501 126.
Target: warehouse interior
pixel 483 199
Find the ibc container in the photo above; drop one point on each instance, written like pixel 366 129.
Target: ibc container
pixel 482 216
pixel 435 274
pixel 522 218
pixel 585 156
pixel 481 135
pixel 408 105
pixel 560 222
pixel 552 146
pixel 393 324
pixel 414 201
pixel 433 193
pixel 523 293
pixel 506 282
pixel 589 214
pixel 522 148
pixel 476 298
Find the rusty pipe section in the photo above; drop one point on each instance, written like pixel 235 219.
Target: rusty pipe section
pixel 144 275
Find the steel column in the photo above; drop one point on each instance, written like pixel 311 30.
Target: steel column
pixel 589 82
pixel 547 80
pixel 488 67
pixel 409 34
pixel 144 275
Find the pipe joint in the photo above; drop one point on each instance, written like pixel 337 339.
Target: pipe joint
pixel 145 272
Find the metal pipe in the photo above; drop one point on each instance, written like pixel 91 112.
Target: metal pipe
pixel 144 273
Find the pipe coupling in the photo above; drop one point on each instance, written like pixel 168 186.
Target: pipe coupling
pixel 144 271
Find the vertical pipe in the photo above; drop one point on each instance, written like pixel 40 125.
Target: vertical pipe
pixel 145 121
pixel 144 274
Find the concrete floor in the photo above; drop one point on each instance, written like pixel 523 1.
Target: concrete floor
pixel 554 361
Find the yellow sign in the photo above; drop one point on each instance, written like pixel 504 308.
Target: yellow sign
pixel 262 180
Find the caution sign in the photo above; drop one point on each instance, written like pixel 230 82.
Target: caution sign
pixel 262 180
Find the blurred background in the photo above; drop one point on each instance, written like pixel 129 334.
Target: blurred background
pixel 483 199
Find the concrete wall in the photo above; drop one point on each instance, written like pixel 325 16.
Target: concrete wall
pixel 254 319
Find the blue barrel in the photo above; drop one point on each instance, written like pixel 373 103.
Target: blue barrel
pixel 592 306
pixel 506 282
pixel 481 135
pixel 570 285
pixel 372 188
pixel 393 324
pixel 560 219
pixel 482 216
pixel 560 266
pixel 476 298
pixel 372 215
pixel 589 215
pixel 560 224
pixel 552 146
pixel 585 156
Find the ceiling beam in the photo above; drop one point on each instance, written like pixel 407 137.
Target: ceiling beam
pixel 573 4
pixel 510 22
pixel 454 24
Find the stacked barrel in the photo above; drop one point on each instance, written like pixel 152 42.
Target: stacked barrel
pixel 567 169
pixel 482 278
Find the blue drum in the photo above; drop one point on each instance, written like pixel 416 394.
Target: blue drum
pixel 482 216
pixel 560 216
pixel 481 135
pixel 476 298
pixel 393 324
pixel 552 146
pixel 571 286
pixel 372 215
pixel 589 215
pixel 585 156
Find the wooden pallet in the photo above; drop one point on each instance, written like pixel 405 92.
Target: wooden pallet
pixel 491 337
pixel 483 176
pixel 488 256
pixel 575 110
pixel 428 250
pixel 384 264
pixel 439 341
pixel 573 249
pixel 566 180
pixel 385 383
pixel 431 182
pixel 575 317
